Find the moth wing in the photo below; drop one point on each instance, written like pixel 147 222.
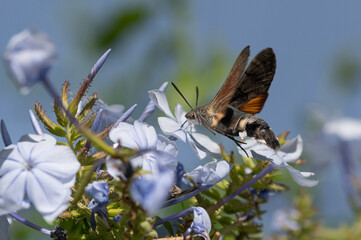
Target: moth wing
pixel 252 91
pixel 218 106
pixel 255 105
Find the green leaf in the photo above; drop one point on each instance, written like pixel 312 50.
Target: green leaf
pixel 235 206
pixel 212 193
pixel 48 124
pixel 87 108
pixel 120 24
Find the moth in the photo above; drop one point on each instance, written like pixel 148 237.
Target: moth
pixel 243 94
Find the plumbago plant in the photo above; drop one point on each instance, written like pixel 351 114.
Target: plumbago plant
pixel 91 189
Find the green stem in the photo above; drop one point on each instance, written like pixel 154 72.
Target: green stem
pixel 83 183
pixel 96 141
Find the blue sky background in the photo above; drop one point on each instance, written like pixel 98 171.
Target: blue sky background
pixel 310 39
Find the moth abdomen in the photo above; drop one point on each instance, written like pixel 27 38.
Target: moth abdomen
pixel 260 130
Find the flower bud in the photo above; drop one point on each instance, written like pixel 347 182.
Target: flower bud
pixel 28 57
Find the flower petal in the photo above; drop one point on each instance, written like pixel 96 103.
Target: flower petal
pixel 301 177
pixel 12 191
pixel 206 144
pixel 150 191
pixel 146 134
pixel 114 168
pixel 180 114
pixel 60 163
pixel 267 154
pixel 153 161
pixel 211 173
pixel 201 220
pixel 292 150
pixel 171 127
pixel 250 143
pixel 166 145
pixel 38 138
pixel 199 152
pixel 223 168
pixel 46 193
pixel 125 134
pixel 159 99
pixel 99 191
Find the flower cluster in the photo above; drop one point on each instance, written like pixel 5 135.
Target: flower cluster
pixel 119 189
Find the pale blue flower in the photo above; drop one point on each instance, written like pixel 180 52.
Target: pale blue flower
pixel 151 190
pixel 347 129
pixel 140 136
pixel 28 57
pixel 111 113
pixel 149 109
pixel 289 152
pixel 201 222
pixel 99 191
pixel 204 176
pixel 41 171
pixel 342 137
pixel 200 143
pixel 116 168
pixel 154 150
pixel 211 173
pixel 286 220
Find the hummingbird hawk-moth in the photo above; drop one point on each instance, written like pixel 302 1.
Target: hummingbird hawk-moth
pixel 243 94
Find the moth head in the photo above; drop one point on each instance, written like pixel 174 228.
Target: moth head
pixel 192 117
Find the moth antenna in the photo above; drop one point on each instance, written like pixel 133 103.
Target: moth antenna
pixel 181 95
pixel 197 95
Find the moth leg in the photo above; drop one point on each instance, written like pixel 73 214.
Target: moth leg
pixel 238 143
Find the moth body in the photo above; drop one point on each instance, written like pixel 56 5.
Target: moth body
pixel 235 123
pixel 243 94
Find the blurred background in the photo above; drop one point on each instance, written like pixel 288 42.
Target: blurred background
pixel 194 43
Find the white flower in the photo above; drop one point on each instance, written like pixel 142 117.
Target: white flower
pixel 151 190
pixel 153 149
pixel 201 144
pixel 28 57
pixel 211 173
pixel 347 129
pixel 285 220
pixel 41 171
pixel 289 152
pixel 201 222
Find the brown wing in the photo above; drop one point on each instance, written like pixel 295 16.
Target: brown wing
pixel 251 94
pixel 218 107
